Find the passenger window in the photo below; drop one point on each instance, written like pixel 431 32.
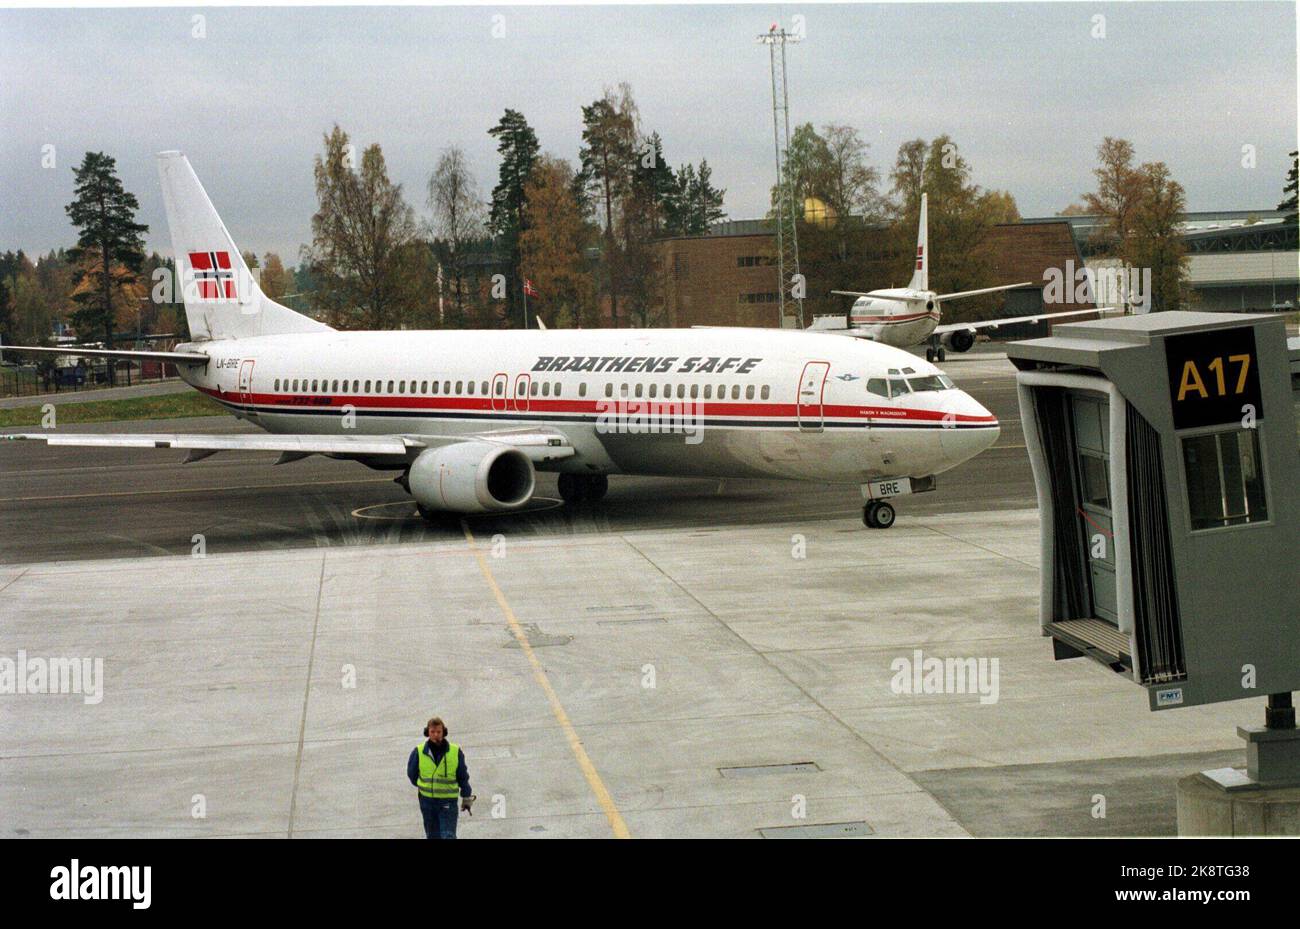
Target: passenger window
pixel 653 389
pixel 582 389
pixel 471 388
pixel 459 386
pixel 609 390
pixel 681 391
pixel 446 387
pixel 367 387
pixel 313 385
pixel 766 391
pixel 356 387
pixel 708 391
pixel 485 387
pixel 277 383
pixel 638 389
pixel 557 388
pixel 749 392
pixel 546 389
pixel 500 388
pixel 401 387
pixel 695 391
pixel 424 387
pixel 390 387
pixel 735 391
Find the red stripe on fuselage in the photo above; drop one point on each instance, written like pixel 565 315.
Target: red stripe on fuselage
pixel 292 403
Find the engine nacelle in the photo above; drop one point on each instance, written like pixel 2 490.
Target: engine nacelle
pixel 472 477
pixel 957 340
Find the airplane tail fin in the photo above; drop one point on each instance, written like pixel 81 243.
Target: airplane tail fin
pixel 222 300
pixel 921 276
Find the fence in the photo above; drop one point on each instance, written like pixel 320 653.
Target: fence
pixel 32 381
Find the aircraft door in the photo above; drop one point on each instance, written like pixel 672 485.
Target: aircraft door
pixel 808 405
pixel 522 384
pixel 245 384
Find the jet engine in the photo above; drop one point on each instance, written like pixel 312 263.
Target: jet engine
pixel 471 477
pixel 957 340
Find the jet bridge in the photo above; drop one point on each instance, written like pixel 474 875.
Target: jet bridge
pixel 1166 457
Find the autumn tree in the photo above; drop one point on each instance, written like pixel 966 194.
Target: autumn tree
pixel 365 251
pixel 110 243
pixel 1156 240
pixel 458 224
pixel 1141 209
pixel 551 246
pixel 275 282
pixel 518 148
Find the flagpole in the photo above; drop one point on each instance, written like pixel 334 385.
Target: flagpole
pixel 525 303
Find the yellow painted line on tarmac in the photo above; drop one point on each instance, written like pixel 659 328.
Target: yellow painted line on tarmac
pixel 539 674
pixel 193 490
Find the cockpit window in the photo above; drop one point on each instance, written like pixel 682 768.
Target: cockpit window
pixel 931 382
pixel 876 385
pixel 898 386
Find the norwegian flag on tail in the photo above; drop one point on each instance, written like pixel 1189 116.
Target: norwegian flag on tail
pixel 529 289
pixel 214 278
pixel 920 254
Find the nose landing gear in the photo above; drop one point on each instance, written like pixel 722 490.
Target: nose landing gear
pixel 878 515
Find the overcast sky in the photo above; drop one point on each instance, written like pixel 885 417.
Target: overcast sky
pixel 1024 89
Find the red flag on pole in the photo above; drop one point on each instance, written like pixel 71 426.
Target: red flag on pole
pixel 529 289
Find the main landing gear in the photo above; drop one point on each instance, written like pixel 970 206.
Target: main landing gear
pixel 583 488
pixel 935 352
pixel 878 514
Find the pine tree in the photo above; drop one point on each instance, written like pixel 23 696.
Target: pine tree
pixel 110 243
pixel 517 145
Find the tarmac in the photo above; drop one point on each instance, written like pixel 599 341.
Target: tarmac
pixel 686 658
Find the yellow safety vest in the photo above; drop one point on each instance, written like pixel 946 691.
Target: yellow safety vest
pixel 439 782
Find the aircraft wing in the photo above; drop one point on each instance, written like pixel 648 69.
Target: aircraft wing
pixel 983 290
pixel 994 323
pixel 858 293
pixel 184 358
pixel 538 445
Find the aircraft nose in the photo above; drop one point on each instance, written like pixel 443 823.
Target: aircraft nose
pixel 969 427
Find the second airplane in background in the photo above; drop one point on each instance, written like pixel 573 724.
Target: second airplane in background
pixel 907 316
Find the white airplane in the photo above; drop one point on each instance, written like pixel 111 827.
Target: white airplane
pixel 468 417
pixel 907 316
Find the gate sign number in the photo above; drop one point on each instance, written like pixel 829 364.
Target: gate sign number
pixel 1212 375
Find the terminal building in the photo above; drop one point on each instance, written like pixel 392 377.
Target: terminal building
pixel 1239 261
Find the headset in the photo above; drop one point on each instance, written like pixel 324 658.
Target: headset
pixel 445 731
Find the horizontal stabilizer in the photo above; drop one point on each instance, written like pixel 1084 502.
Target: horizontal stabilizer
pixel 983 290
pixel 180 358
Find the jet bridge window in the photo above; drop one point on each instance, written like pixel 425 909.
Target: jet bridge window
pixel 1225 479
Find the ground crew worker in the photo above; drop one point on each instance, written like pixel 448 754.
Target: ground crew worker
pixel 438 771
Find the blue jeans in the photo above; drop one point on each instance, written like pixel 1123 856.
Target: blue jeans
pixel 439 818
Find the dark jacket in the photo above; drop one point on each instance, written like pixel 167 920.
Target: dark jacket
pixel 436 752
